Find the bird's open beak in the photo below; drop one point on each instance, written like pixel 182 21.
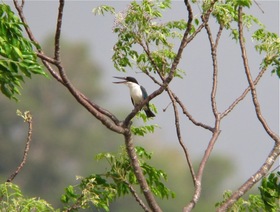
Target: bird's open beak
pixel 122 78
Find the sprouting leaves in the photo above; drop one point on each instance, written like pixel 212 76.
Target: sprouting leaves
pixel 268 43
pixel 140 26
pixel 102 9
pixel 119 180
pixel 17 57
pixel 12 199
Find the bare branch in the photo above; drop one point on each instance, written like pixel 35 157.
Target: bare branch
pixel 199 124
pixel 58 31
pixel 137 198
pixel 27 118
pixel 215 65
pixel 198 185
pixel 273 135
pixel 243 95
pixel 177 124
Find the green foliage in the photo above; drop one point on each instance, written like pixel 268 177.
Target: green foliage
pixel 144 129
pixel 17 57
pixel 102 9
pixel 226 14
pixel 101 189
pixel 268 43
pixel 254 203
pixel 270 192
pixel 139 26
pixel 12 199
pixel 268 200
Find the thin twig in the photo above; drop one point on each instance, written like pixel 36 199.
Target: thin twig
pixel 180 139
pixel 28 119
pixel 243 95
pixel 214 46
pixel 185 111
pixel 136 196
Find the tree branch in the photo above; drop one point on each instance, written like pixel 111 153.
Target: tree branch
pixel 275 152
pixel 273 135
pixel 270 160
pixel 137 198
pixel 243 95
pixel 27 118
pixel 198 185
pixel 139 173
pixel 178 131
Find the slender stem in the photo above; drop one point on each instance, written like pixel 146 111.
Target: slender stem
pixel 28 119
pixel 243 95
pixel 136 196
pixel 180 139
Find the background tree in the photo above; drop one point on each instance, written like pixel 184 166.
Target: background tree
pixel 162 61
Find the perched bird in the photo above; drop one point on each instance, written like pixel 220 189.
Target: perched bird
pixel 137 93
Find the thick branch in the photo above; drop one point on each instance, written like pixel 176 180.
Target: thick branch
pixel 139 173
pixel 198 185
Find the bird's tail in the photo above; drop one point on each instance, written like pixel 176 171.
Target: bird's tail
pixel 149 113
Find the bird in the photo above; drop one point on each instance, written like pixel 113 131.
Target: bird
pixel 137 93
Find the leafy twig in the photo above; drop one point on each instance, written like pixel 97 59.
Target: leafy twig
pixel 27 118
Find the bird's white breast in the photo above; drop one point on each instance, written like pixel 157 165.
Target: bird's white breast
pixel 135 92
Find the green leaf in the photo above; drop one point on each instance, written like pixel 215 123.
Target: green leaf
pixel 18 59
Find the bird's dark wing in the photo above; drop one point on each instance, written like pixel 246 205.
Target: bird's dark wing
pixel 132 101
pixel 145 95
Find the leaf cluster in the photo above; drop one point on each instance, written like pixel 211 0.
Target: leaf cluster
pixel 268 43
pixel 144 129
pixel 17 57
pixel 226 14
pixel 12 199
pixel 144 40
pixel 270 192
pixel 101 189
pixel 267 200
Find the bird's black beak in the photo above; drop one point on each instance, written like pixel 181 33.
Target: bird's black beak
pixel 122 78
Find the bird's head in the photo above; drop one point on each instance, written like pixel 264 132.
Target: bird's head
pixel 126 80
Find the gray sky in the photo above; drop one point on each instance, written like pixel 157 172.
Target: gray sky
pixel 242 137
